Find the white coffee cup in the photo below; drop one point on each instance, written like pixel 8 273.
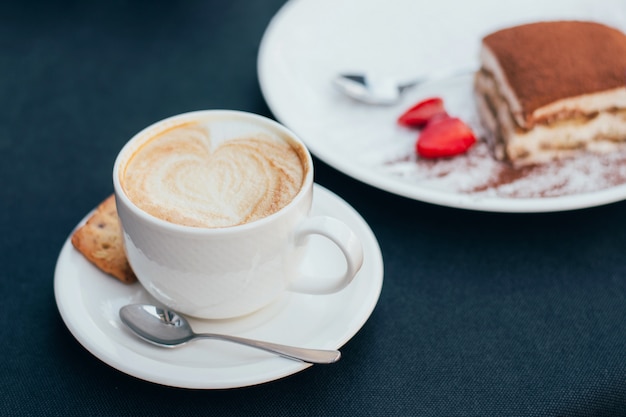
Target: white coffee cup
pixel 228 271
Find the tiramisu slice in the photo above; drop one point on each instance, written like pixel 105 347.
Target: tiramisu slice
pixel 550 90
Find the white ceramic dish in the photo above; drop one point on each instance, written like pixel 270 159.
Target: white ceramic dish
pixel 309 41
pixel 89 301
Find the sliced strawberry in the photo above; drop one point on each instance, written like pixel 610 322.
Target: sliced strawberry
pixel 445 137
pixel 420 114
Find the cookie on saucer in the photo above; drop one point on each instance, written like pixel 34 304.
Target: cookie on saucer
pixel 100 241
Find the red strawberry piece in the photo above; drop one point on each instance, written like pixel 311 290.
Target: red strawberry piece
pixel 445 137
pixel 421 113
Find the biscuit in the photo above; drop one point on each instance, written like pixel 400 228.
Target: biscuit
pixel 100 241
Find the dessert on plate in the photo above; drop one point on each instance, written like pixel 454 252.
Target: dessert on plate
pixel 552 90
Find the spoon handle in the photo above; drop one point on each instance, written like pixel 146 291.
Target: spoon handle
pixel 319 356
pixel 436 76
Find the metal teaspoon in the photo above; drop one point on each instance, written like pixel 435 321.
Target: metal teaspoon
pixel 385 90
pixel 166 328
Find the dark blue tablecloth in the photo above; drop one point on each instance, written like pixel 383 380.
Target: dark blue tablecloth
pixel 480 315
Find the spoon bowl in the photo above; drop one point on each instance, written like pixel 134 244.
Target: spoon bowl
pixel 167 328
pixel 371 89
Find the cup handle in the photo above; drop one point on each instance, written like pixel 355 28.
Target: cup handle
pixel 347 242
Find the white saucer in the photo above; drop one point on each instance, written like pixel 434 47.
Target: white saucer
pixel 89 301
pixel 308 42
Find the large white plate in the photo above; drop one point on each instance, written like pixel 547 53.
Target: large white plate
pixel 309 41
pixel 89 302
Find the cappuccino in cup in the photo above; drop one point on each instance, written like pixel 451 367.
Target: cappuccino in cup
pixel 215 213
pixel 216 171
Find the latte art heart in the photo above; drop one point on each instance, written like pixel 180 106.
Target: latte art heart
pixel 184 177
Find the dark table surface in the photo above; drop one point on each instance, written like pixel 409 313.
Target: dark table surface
pixel 480 313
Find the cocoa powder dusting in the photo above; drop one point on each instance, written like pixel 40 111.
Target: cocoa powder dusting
pixel 478 173
pixel 505 175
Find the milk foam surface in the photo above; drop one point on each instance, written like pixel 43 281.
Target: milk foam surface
pixel 214 173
